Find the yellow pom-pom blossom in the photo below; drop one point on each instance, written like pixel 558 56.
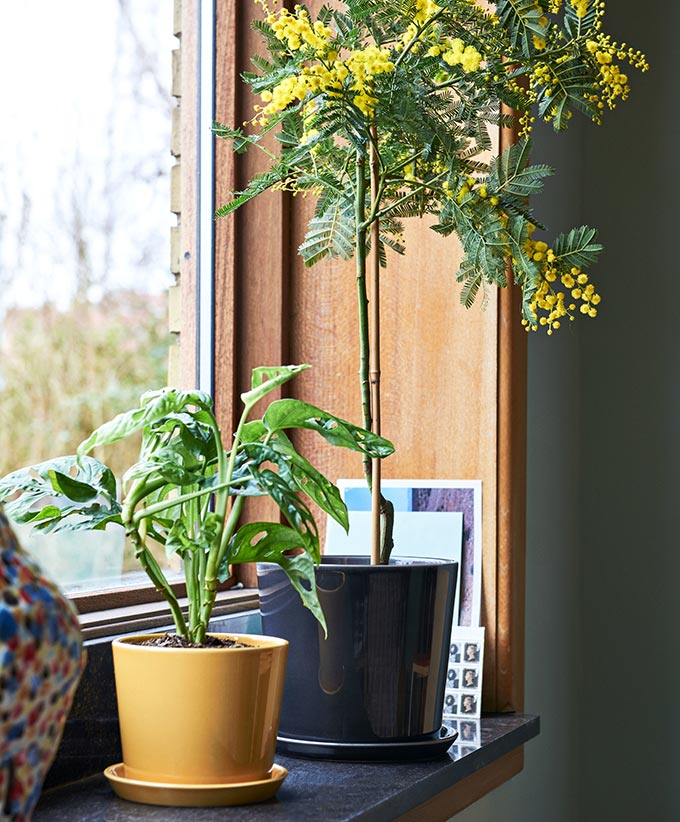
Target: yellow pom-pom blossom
pixel 581 7
pixel 364 65
pixel 326 72
pixel 453 52
pixel 549 304
pixel 456 53
pixel 425 9
pixel 613 83
pixel 297 30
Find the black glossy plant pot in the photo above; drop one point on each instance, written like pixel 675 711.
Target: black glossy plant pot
pixel 375 687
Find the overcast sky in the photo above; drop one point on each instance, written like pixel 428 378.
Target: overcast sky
pixel 84 147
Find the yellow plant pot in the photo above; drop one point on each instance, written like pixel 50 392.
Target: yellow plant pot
pixel 199 715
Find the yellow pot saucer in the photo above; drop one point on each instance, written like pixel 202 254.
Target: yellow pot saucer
pixel 194 796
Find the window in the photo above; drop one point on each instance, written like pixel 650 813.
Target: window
pixel 250 301
pixel 84 242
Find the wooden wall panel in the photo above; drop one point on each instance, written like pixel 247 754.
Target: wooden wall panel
pixel 251 247
pixel 451 377
pixel 225 258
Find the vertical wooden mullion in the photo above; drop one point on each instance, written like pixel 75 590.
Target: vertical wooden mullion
pixel 511 500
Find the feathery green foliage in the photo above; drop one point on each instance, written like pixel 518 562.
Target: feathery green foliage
pixel 522 20
pixel 428 77
pixel 387 110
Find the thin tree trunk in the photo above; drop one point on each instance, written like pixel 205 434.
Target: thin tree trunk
pixel 374 356
pixel 382 511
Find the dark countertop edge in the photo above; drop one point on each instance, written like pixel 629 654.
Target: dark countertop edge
pixel 417 787
pixel 416 793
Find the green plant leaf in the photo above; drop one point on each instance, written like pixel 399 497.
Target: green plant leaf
pixel 526 271
pixel 265 379
pixel 511 173
pixel 169 464
pixel 62 494
pixel 330 234
pixel 485 243
pixel 257 185
pixel 177 540
pixel 202 538
pixel 253 431
pixel 269 542
pixel 282 489
pixel 72 489
pixel 301 475
pixel 154 406
pixel 471 285
pixel 241 141
pixel 575 25
pixel 521 19
pixel 290 413
pixel 577 247
pixel 570 87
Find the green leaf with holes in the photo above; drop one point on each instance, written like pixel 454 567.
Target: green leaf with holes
pixel 284 414
pixel 271 542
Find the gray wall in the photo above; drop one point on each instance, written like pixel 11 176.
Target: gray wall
pixel 604 451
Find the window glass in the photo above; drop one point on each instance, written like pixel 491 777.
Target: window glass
pixel 84 241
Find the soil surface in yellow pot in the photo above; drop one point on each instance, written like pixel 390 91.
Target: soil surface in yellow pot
pixel 199 715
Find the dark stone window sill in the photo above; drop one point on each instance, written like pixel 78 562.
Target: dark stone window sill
pixel 314 790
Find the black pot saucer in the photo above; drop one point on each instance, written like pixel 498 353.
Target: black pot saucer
pixel 420 750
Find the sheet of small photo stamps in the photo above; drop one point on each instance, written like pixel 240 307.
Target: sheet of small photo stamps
pixel 469 736
pixel 463 695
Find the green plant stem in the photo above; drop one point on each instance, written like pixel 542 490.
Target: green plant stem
pixel 146 559
pixel 374 356
pixel 227 524
pixel 370 389
pixel 419 31
pixel 171 502
pixel 382 510
pixel 210 587
pixel 227 471
pixel 190 578
pixel 362 298
pixel 232 522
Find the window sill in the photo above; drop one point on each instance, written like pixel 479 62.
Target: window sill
pixel 138 618
pixel 313 789
pixel 317 790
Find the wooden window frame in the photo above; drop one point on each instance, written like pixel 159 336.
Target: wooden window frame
pixel 247 281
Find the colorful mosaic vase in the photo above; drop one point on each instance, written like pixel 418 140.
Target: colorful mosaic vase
pixel 41 661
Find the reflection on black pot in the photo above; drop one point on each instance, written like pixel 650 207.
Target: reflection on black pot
pixel 334 605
